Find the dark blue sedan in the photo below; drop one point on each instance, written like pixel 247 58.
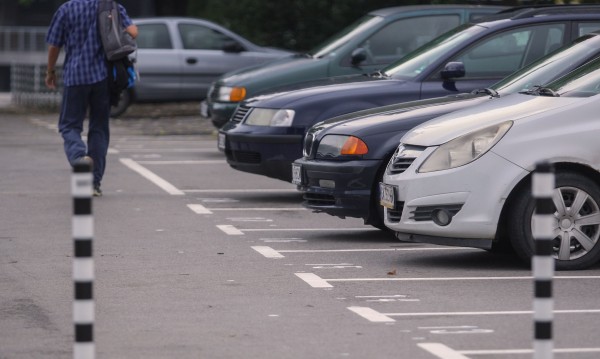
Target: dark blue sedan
pixel 345 157
pixel 266 133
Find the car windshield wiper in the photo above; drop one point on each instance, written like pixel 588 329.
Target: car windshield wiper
pixel 305 55
pixel 540 91
pixel 545 91
pixel 378 74
pixel 488 91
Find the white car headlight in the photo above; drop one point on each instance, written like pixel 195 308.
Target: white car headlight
pixel 464 149
pixel 231 94
pixel 270 117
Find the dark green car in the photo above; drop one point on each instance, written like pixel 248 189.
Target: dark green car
pixel 374 41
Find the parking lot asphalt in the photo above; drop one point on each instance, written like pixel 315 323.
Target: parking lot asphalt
pixel 195 260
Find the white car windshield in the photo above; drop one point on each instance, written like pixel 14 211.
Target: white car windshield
pixel 582 82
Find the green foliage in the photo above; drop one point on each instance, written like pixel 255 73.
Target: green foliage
pixel 293 24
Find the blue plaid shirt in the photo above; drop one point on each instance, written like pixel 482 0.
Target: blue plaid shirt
pixel 75 27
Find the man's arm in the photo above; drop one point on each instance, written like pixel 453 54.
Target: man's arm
pixel 53 52
pixel 132 30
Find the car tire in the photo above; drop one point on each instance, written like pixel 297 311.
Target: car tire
pixel 569 186
pixel 124 102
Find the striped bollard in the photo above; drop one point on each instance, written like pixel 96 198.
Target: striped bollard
pixel 83 263
pixel 542 261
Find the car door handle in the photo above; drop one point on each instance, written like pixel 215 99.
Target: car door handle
pixel 191 60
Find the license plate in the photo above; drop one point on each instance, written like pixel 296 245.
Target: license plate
pixel 387 195
pixel 296 174
pixel 221 141
pixel 203 109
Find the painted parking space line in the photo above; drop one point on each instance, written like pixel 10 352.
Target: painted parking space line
pixel 365 249
pixel 199 209
pixel 170 150
pixel 240 231
pixel 250 190
pixel 372 313
pixel 441 351
pixel 190 162
pixel 313 280
pixel 260 209
pixel 230 230
pixel 268 252
pixel 443 279
pixel 444 352
pixel 151 176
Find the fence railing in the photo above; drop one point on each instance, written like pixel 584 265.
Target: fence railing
pixel 28 87
pixel 23 38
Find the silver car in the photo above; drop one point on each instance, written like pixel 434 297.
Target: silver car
pixel 178 58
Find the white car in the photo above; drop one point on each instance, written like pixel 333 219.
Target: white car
pixel 464 179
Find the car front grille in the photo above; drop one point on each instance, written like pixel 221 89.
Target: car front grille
pixel 243 156
pixel 309 139
pixel 394 215
pixel 400 164
pixel 240 113
pixel 314 199
pixel 403 158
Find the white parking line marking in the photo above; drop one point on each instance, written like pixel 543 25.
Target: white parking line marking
pixel 530 351
pixel 249 219
pixel 151 176
pixel 170 150
pixel 267 252
pixel 259 209
pixel 230 230
pixel 313 280
pixel 113 151
pixel 441 351
pixel 241 190
pixel 441 279
pixel 283 240
pixel 508 312
pixel 371 315
pixel 206 162
pixel 373 250
pixel 308 229
pixel 199 209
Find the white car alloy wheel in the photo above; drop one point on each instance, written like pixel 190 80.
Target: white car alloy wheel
pixel 577 222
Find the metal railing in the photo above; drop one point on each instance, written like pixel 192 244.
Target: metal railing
pixel 28 87
pixel 23 38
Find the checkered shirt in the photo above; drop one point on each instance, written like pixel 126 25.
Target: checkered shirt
pixel 75 27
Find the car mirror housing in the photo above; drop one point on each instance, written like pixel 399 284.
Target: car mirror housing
pixel 358 55
pixel 453 70
pixel 233 46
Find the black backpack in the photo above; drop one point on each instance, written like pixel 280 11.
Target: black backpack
pixel 116 41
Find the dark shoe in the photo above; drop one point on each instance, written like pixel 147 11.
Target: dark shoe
pixel 97 191
pixel 86 160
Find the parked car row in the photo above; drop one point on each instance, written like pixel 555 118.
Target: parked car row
pixel 373 41
pixel 453 170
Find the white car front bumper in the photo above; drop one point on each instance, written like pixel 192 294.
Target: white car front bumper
pixel 474 195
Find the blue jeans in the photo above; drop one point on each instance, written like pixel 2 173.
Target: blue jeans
pixel 75 103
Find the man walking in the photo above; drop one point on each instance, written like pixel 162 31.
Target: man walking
pixel 85 78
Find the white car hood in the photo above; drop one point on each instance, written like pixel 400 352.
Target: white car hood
pixel 512 107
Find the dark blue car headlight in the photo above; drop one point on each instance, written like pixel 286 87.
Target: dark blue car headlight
pixel 270 117
pixel 338 146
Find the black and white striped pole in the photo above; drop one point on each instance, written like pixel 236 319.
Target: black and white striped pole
pixel 83 262
pixel 542 261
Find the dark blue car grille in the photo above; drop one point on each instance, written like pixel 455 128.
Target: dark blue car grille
pixel 243 156
pixel 314 199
